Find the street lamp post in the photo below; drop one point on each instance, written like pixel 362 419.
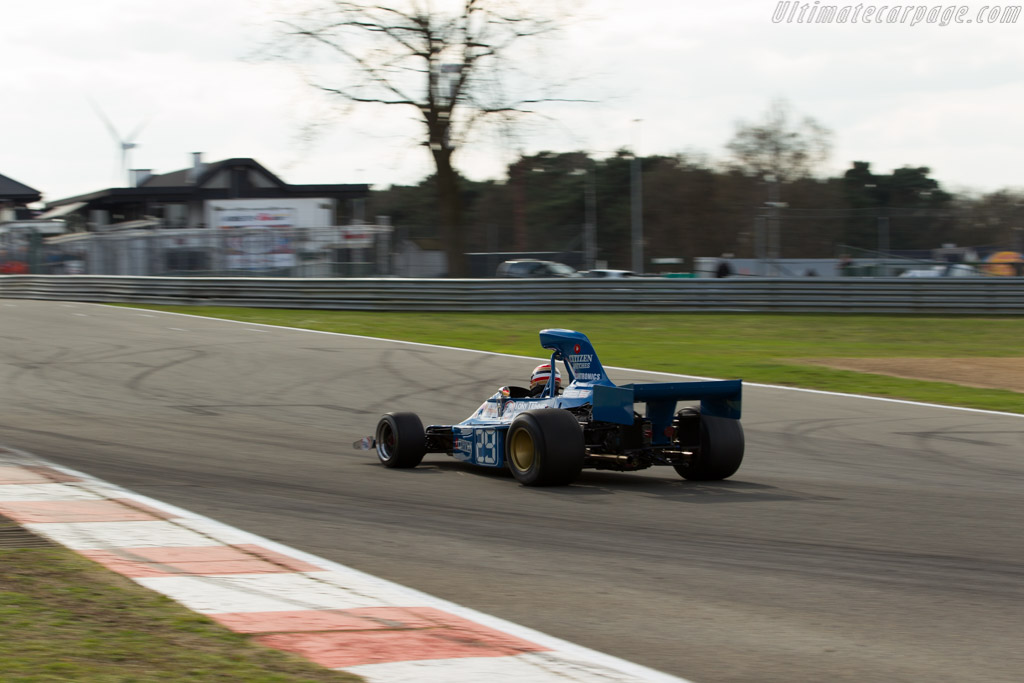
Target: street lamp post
pixel 590 225
pixel 590 215
pixel 883 244
pixel 637 209
pixel 772 241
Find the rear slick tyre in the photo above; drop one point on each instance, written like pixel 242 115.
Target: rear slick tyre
pixel 721 450
pixel 545 448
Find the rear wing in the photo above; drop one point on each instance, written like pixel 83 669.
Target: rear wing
pixel 719 398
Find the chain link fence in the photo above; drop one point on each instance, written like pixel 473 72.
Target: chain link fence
pixel 340 251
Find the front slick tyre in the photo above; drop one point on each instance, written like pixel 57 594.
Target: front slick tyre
pixel 721 450
pixel 401 442
pixel 545 448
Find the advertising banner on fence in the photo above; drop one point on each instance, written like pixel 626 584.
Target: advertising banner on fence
pixel 257 239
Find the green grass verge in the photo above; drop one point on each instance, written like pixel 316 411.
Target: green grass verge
pixel 66 618
pixel 757 348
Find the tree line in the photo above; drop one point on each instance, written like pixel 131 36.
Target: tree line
pixel 693 207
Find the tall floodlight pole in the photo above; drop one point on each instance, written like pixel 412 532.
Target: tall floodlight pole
pixel 638 208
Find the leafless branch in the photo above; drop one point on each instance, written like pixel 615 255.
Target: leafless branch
pixel 454 68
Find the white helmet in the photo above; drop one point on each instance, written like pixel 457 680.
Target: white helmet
pixel 541 375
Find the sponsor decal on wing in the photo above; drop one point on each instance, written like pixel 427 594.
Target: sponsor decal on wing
pixel 580 361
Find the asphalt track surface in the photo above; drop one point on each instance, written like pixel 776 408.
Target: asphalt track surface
pixel 862 540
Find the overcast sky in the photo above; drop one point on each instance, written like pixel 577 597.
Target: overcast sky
pixel 894 94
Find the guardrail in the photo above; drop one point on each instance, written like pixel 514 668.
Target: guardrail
pixel 945 296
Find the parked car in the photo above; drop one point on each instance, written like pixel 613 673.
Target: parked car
pixel 947 270
pixel 609 273
pixel 535 268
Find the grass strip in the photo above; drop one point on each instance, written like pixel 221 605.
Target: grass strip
pixel 66 618
pixel 765 348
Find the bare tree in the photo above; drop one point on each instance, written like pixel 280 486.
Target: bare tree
pixel 452 67
pixel 779 147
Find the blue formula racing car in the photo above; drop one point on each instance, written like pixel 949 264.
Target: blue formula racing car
pixel 547 439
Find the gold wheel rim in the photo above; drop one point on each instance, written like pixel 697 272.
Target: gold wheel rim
pixel 522 452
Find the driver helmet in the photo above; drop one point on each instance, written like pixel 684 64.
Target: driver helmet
pixel 541 375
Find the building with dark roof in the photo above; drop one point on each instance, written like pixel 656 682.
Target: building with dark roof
pixel 14 198
pixel 182 199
